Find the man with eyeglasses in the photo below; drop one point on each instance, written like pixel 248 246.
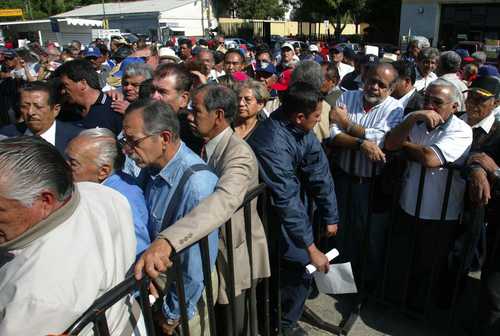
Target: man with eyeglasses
pixel 433 139
pixel 360 121
pixel 484 189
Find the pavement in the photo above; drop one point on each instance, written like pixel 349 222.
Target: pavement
pixel 378 320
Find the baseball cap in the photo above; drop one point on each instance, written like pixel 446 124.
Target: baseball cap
pixel 92 52
pixel 349 53
pixel 337 49
pixel 468 59
pixel 125 63
pixel 488 70
pixel 313 48
pixel 265 67
pixel 9 53
pixel 287 45
pixel 283 81
pixel 486 86
pixel 462 52
pixel 369 59
pixel 168 53
pixel 240 76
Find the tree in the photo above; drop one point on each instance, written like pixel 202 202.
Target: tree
pixel 251 9
pixel 338 12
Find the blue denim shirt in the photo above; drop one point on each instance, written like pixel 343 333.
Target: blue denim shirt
pixel 159 191
pixel 126 185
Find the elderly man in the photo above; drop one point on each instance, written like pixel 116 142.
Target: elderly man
pixel 234 162
pixel 134 75
pixel 484 179
pixel 39 111
pixel 81 85
pixel 404 91
pixel 361 120
pixel 95 157
pixel 179 181
pixel 414 48
pixel 288 58
pixel 432 139
pixel 234 61
pixel 206 58
pixel 292 160
pixel 61 245
pixel 448 68
pixel 427 61
pixel 336 57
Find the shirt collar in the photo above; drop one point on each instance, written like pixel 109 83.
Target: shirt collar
pixel 485 124
pixel 169 172
pixel 49 135
pixel 212 143
pixel 406 98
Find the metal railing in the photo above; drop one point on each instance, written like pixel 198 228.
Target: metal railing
pixel 96 313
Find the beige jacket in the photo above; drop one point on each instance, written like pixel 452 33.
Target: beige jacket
pixel 236 165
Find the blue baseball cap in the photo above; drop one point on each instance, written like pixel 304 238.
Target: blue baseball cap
pixel 265 67
pixel 92 52
pixel 125 63
pixel 488 70
pixel 9 53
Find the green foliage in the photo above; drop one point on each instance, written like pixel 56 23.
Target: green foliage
pixel 250 9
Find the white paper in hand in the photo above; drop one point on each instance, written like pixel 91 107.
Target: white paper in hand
pixel 330 255
pixel 338 280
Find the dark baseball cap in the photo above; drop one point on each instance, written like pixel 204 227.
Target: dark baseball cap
pixel 486 86
pixel 265 67
pixel 337 49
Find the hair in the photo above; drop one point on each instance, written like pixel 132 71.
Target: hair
pixel 449 62
pixel 263 49
pixel 454 93
pixel 427 53
pixel 235 51
pixel 109 152
pixel 46 87
pixel 219 97
pixel 406 69
pixel 332 72
pixel 138 69
pixel 301 97
pixel 183 79
pixel 259 90
pixel 186 41
pixel 421 42
pixel 146 89
pixel 218 57
pixel 480 56
pixel 78 70
pixel 308 72
pixel 29 166
pixel 141 44
pixel 206 51
pixel 157 116
pixel 102 48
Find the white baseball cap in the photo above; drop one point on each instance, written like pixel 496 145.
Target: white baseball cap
pixel 166 52
pixel 313 48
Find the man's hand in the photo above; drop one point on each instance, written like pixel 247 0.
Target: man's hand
pixel 318 259
pixel 155 260
pixel 486 162
pixel 120 106
pixel 431 118
pixel 331 230
pixel 479 187
pixel 201 77
pixel 166 328
pixel 372 151
pixel 338 115
pixel 115 95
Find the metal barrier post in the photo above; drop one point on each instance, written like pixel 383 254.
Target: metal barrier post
pixel 207 274
pixel 267 302
pixel 179 281
pixel 230 278
pixel 146 306
pixel 247 214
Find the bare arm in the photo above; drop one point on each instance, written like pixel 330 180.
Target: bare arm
pixel 422 154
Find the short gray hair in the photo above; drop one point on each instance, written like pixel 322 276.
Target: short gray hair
pixel 259 90
pixel 105 140
pixel 157 116
pixel 428 53
pixel 455 95
pixel 139 69
pixel 449 62
pixel 308 72
pixel 29 166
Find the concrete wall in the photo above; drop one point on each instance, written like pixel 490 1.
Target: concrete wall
pixel 420 19
pixel 189 18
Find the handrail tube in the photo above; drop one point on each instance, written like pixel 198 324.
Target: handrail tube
pixel 179 281
pixel 207 277
pixel 230 278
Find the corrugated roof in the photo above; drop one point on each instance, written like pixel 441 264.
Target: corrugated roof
pixel 113 8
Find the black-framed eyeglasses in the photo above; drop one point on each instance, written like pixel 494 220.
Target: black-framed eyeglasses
pixel 125 143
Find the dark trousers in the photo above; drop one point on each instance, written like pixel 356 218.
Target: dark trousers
pixel 489 299
pixel 295 285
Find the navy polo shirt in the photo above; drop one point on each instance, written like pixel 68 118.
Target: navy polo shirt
pixel 102 115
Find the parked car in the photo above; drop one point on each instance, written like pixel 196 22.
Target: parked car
pixel 470 46
pixel 236 42
pixel 356 47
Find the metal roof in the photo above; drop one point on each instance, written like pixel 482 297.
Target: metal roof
pixel 117 8
pixel 71 22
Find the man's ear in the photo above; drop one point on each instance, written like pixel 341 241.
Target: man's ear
pixel 220 115
pixel 184 100
pixel 103 172
pixel 82 85
pixel 48 202
pixel 166 137
pixel 56 109
pixel 300 118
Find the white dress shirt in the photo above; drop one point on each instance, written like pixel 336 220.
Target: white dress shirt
pixel 451 143
pixel 49 135
pixel 406 98
pixel 344 69
pixel 423 82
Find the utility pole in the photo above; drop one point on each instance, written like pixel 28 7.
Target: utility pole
pixel 203 17
pixel 104 20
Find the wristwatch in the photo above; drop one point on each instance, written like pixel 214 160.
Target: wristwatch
pixel 496 174
pixel 359 142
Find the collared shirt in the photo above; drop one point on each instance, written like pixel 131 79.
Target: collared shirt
pixel 212 143
pixel 423 82
pixel 485 124
pixel 406 98
pixel 49 135
pixel 102 115
pixel 461 87
pixel 125 185
pixel 158 194
pixel 377 122
pixel 344 69
pixel 451 143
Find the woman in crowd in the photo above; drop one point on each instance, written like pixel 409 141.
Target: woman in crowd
pixel 252 96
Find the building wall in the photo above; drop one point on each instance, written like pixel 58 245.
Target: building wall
pixel 189 18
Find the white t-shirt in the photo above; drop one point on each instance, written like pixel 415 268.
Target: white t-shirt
pixel 451 143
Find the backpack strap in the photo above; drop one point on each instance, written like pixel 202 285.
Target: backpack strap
pixel 176 197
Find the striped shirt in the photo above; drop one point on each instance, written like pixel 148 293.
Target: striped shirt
pixel 377 122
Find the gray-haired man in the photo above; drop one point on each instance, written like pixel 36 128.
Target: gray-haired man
pixel 95 157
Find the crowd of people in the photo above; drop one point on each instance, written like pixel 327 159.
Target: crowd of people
pixel 114 158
